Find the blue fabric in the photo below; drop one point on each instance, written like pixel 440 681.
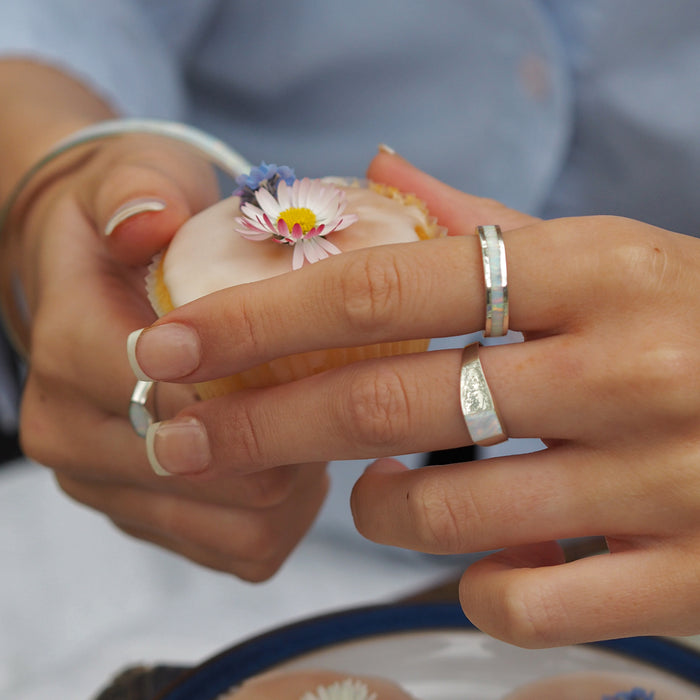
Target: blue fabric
pixel 556 107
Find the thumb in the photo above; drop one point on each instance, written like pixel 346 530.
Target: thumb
pixel 140 197
pixel 459 212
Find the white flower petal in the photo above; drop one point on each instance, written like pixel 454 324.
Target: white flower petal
pixel 268 203
pixel 348 689
pixel 298 256
pixel 327 245
pixel 284 195
pixel 346 221
pixel 304 198
pixel 313 251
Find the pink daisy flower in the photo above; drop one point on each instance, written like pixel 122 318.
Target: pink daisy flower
pixel 301 214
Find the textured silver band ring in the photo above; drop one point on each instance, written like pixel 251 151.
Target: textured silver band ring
pixel 493 253
pixel 139 415
pixel 483 422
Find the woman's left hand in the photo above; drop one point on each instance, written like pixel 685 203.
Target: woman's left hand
pixel 608 376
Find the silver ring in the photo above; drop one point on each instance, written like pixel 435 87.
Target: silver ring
pixel 483 422
pixel 493 253
pixel 139 415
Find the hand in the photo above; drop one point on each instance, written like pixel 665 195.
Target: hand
pixel 608 375
pixel 86 293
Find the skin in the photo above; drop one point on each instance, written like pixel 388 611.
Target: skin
pixel 622 435
pixel 85 294
pixel 608 377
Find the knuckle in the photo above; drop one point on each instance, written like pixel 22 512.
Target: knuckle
pixel 379 407
pixel 258 572
pixel 536 616
pixel 531 615
pixel 637 261
pixel 121 179
pixel 249 327
pixel 438 518
pixel 244 436
pixel 51 347
pixel 370 290
pixel 260 555
pixel 269 488
pixel 668 372
pixel 39 439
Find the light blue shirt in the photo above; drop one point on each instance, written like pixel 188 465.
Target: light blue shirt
pixel 556 107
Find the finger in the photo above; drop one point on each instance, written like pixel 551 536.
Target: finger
pixel 557 493
pixel 460 213
pixel 386 294
pixel 529 598
pixel 146 188
pixel 229 563
pixel 102 450
pixel 250 542
pixel 407 404
pixel 78 338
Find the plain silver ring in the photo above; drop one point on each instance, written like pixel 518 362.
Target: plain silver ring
pixel 493 253
pixel 478 408
pixel 139 415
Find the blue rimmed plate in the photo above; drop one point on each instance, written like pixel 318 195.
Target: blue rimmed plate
pixel 430 649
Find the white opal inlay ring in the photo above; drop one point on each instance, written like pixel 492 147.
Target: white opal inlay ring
pixel 493 254
pixel 483 422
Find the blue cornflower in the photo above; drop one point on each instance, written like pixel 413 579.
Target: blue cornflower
pixel 634 694
pixel 265 176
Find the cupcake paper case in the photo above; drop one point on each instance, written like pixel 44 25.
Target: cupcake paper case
pixel 276 223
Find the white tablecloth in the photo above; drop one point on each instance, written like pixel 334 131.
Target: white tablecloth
pixel 79 600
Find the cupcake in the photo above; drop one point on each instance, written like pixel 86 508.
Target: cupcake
pixel 603 685
pixel 316 685
pixel 276 223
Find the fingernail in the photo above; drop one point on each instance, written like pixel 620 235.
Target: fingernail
pixel 165 352
pixel 178 446
pixel 386 465
pixel 132 208
pixel 383 148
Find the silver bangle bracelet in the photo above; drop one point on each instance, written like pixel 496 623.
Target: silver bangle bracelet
pixel 12 304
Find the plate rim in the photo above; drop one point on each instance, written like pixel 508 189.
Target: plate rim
pixel 212 677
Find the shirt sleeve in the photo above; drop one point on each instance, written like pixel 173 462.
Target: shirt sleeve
pixel 108 45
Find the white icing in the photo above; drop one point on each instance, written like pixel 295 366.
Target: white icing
pixel 207 254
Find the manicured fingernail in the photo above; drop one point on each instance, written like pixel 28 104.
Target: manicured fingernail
pixel 386 465
pixel 383 148
pixel 132 208
pixel 178 446
pixel 165 352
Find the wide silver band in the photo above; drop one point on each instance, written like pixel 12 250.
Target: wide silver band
pixel 139 415
pixel 493 253
pixel 483 422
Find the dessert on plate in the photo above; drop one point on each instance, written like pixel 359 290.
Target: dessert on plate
pixel 316 685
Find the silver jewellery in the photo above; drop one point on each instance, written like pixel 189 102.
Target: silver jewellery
pixel 493 254
pixel 479 411
pixel 13 311
pixel 139 416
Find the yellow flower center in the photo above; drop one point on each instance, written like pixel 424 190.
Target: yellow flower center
pixel 299 215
